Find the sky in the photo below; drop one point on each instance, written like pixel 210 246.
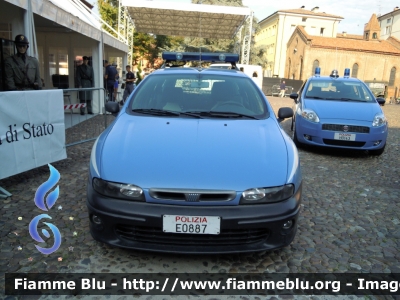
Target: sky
pixel 356 13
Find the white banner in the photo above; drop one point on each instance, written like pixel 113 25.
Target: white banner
pixel 32 130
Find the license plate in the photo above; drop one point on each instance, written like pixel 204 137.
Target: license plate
pixel 345 136
pixel 191 224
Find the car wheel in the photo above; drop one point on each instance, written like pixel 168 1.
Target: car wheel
pixel 378 151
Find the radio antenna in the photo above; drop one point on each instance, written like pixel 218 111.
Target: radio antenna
pixel 200 33
pixel 336 60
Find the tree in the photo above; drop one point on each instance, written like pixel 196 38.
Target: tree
pixel 170 43
pixel 139 73
pixel 258 54
pixel 143 46
pixel 108 10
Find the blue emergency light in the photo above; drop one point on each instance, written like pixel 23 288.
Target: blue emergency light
pixel 317 71
pixel 347 72
pixel 197 56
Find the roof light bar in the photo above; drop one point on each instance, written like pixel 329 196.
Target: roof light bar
pixel 347 72
pixel 204 56
pixel 317 71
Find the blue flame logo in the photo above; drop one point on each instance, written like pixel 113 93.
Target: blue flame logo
pixel 40 203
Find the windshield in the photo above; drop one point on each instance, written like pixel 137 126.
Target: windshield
pixel 334 89
pixel 206 95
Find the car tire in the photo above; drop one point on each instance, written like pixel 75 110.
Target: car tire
pixel 378 151
pixel 294 137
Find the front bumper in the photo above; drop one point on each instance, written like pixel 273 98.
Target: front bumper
pixel 244 228
pixel 318 137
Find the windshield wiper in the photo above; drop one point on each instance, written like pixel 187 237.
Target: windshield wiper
pixel 315 97
pixel 222 114
pixel 153 111
pixel 347 99
pixel 192 114
pixel 161 112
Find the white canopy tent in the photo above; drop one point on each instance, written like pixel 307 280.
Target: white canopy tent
pixel 191 20
pixel 59 31
pixel 70 14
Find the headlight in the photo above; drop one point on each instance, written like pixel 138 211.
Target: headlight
pixel 310 115
pixel 267 195
pixel 379 120
pixel 118 190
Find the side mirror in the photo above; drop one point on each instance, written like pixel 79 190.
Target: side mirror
pixel 112 107
pixel 294 96
pixel 381 101
pixel 284 113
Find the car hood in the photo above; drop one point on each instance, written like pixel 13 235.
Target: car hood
pixel 194 153
pixel 327 109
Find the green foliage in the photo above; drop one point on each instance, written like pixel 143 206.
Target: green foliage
pixel 170 43
pixel 108 10
pixel 258 55
pixel 143 46
pixel 139 74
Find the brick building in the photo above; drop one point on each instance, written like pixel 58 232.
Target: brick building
pixel 276 29
pixel 368 57
pixel 390 24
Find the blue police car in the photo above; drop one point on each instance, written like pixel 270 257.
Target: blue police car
pixel 195 162
pixel 342 112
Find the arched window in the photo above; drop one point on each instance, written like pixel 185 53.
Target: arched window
pixel 392 76
pixel 374 35
pixel 315 65
pixel 354 71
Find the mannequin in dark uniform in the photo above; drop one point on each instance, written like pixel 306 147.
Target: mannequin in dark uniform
pixel 84 78
pixel 22 71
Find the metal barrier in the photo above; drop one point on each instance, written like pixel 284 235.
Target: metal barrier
pixel 93 126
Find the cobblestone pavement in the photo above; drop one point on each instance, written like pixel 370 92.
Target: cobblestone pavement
pixel 349 220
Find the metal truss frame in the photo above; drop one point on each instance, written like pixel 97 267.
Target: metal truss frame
pixel 248 33
pixel 126 28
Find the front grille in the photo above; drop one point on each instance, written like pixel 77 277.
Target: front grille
pixel 155 235
pixel 191 195
pixel 351 128
pixel 343 143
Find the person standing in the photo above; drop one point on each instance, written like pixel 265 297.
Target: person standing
pixel 110 76
pixel 282 88
pixel 116 83
pixel 22 71
pixel 130 83
pixel 85 78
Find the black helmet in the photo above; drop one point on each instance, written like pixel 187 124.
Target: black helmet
pixel 20 39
